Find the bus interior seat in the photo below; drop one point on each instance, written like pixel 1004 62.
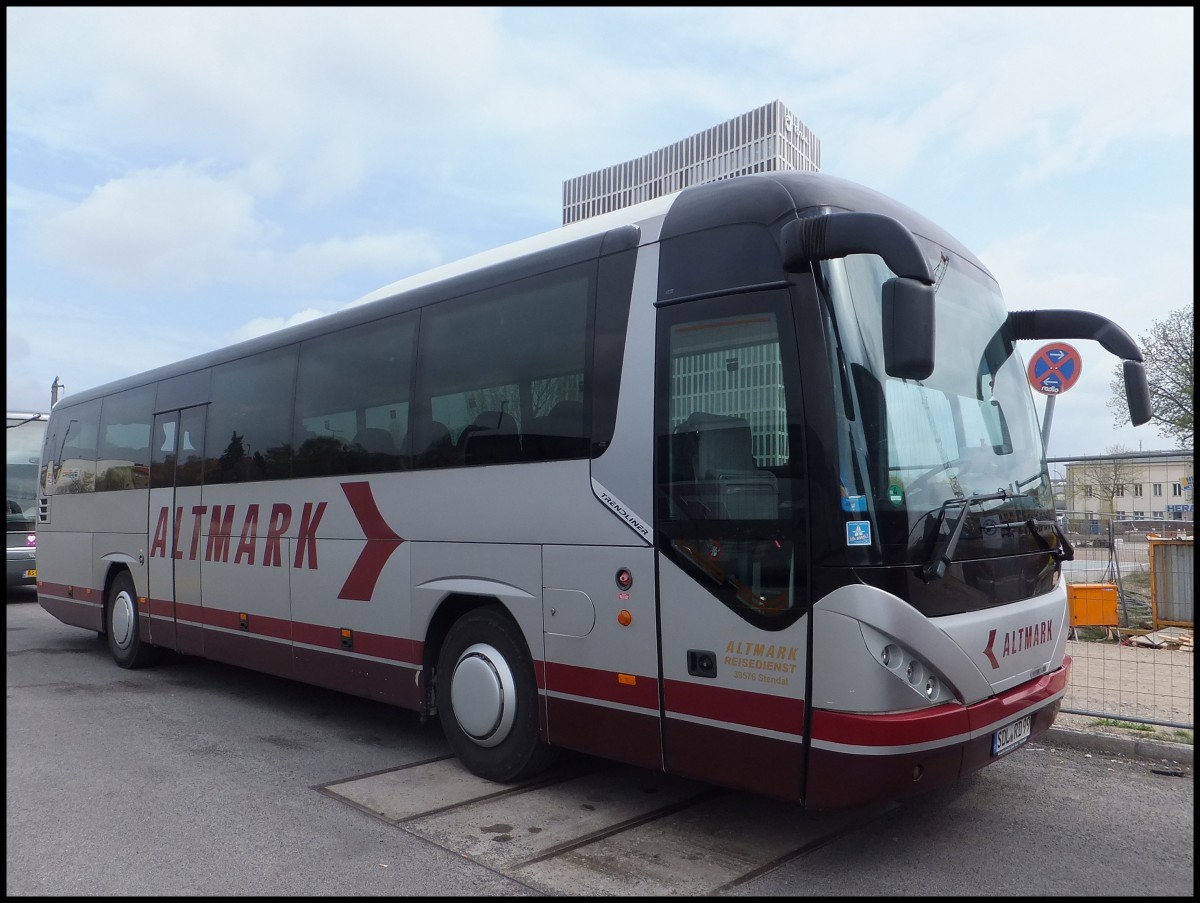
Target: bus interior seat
pixel 375 440
pixel 717 449
pixel 372 450
pixel 491 439
pixel 558 433
pixel 428 444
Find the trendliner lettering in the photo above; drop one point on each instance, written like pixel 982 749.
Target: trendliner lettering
pixel 1019 640
pixel 624 513
pixel 360 583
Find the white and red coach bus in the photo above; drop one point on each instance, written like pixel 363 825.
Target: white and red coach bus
pixel 743 484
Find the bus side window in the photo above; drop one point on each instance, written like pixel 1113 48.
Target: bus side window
pixel 352 398
pixel 124 453
pixel 77 463
pixel 251 418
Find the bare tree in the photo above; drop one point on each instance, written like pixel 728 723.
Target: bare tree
pixel 1169 351
pixel 1108 478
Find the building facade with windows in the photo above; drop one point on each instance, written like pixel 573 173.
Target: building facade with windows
pixel 768 139
pixel 1132 486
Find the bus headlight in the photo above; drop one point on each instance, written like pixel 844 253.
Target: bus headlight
pixel 891 656
pixel 915 672
pixel 906 665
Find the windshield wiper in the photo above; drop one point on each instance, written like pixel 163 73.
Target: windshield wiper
pixel 935 569
pixel 1064 552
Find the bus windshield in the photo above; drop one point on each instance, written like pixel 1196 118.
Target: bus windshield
pixel 917 454
pixel 23 448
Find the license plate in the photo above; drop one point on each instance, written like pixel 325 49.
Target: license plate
pixel 1011 736
pixel 31 573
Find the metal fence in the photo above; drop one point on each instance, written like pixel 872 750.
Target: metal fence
pixel 1131 589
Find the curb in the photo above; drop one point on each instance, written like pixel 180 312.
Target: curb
pixel 1133 747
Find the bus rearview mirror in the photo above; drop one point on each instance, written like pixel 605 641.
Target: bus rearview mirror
pixel 1137 393
pixel 908 328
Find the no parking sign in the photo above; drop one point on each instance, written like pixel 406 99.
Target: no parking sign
pixel 1054 368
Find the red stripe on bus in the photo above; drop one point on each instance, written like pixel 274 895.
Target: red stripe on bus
pixel 593 683
pixel 758 710
pixel 399 649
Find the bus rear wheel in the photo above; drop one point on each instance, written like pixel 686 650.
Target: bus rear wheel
pixel 121 624
pixel 487 698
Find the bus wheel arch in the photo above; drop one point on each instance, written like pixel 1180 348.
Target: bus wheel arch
pixel 121 623
pixel 487 697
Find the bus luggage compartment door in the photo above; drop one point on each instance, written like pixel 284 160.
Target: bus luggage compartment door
pixel 601 652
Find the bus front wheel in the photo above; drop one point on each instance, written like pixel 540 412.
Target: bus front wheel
pixel 121 625
pixel 487 698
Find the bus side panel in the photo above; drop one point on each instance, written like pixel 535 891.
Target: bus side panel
pixel 601 681
pixel 489 573
pixel 245 611
pixel 357 645
pixel 66 567
pixel 739 724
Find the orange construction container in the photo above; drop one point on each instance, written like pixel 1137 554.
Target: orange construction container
pixel 1093 604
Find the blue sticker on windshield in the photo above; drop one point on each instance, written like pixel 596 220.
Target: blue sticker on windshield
pixel 856 503
pixel 858 533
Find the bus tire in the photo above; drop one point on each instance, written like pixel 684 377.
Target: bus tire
pixel 121 625
pixel 487 698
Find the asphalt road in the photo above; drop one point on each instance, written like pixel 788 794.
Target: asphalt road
pixel 195 778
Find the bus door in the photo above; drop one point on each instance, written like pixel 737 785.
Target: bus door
pixel 176 527
pixel 729 530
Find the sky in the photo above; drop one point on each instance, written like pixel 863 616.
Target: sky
pixel 182 178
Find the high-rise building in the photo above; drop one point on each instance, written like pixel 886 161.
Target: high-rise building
pixel 770 138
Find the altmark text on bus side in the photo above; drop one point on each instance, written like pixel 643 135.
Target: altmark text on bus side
pixel 360 582
pixel 1018 640
pixel 749 660
pixel 221 533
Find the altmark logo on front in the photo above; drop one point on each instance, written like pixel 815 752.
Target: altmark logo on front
pixel 1018 640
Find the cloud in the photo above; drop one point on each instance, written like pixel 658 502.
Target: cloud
pixel 176 226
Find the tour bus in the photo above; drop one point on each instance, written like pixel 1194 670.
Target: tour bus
pixel 23 435
pixel 743 484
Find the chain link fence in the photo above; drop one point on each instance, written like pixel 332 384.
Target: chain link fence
pixel 1131 594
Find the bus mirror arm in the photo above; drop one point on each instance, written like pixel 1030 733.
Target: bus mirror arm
pixel 1081 324
pixel 830 235
pixel 908 320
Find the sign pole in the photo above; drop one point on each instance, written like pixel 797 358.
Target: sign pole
pixel 1047 416
pixel 1053 370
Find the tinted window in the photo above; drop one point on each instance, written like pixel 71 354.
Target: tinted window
pixel 352 398
pixel 75 432
pixel 123 456
pixel 502 373
pixel 730 494
pixel 250 419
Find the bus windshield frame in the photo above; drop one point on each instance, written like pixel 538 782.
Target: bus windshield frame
pixel 914 454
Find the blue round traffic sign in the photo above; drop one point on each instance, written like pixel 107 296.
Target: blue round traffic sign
pixel 1054 368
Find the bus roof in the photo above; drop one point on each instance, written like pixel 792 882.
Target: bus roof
pixel 767 196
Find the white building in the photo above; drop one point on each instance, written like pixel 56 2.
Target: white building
pixel 1133 486
pixel 768 139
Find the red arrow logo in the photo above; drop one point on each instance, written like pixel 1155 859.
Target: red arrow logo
pixel 991 656
pixel 381 543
